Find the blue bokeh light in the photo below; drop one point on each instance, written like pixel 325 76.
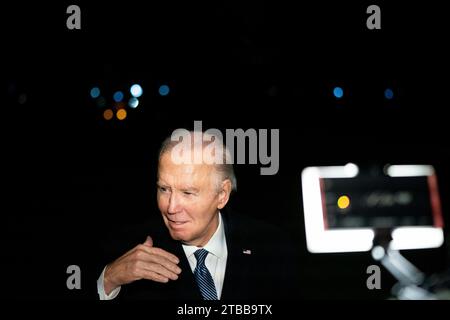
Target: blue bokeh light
pixel 95 92
pixel 164 90
pixel 118 96
pixel 338 92
pixel 388 94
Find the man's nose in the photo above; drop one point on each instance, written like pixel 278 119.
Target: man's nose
pixel 174 204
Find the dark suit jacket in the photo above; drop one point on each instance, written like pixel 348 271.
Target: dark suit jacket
pixel 269 272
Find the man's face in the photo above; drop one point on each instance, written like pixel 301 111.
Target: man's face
pixel 188 200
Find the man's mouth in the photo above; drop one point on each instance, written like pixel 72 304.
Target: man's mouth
pixel 175 222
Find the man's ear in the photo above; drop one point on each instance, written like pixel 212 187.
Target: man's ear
pixel 224 194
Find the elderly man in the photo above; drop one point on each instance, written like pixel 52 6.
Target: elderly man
pixel 203 252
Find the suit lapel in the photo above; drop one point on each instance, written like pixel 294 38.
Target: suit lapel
pixel 237 269
pixel 186 285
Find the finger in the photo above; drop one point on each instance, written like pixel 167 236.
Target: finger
pixel 145 256
pixel 165 254
pixel 150 275
pixel 148 242
pixel 160 252
pixel 159 269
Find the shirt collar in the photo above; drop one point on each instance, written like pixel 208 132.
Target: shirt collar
pixel 216 245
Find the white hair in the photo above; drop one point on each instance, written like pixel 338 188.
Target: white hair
pixel 224 169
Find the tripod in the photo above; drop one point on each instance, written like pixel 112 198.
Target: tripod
pixel 409 277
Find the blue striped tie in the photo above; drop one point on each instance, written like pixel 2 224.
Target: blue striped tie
pixel 203 277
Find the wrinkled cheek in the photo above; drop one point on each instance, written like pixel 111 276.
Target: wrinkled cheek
pixel 162 204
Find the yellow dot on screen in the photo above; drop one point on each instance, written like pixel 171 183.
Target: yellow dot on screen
pixel 108 114
pixel 121 114
pixel 343 202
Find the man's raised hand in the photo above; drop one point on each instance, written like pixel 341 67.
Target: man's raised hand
pixel 142 262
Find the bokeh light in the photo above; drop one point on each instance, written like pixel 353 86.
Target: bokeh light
pixel 136 90
pixel 118 96
pixel 338 92
pixel 95 92
pixel 133 103
pixel 108 114
pixel 164 90
pixel 388 94
pixel 121 114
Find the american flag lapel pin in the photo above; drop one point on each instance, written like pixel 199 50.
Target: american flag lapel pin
pixel 247 251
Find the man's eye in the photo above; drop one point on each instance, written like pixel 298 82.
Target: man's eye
pixel 162 189
pixel 188 193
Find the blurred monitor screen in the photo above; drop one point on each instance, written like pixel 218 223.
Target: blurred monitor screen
pixel 343 208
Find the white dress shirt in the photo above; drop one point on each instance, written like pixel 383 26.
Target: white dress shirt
pixel 216 262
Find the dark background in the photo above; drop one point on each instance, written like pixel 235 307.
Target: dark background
pixel 71 176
